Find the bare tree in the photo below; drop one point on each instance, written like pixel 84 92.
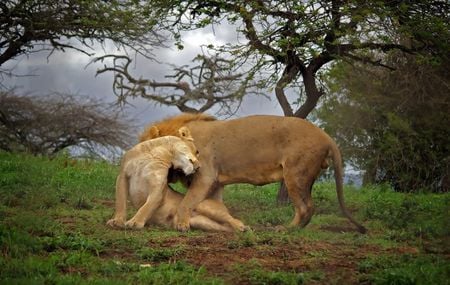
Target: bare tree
pixel 211 82
pixel 47 125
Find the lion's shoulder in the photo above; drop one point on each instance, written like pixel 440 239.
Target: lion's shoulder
pixel 171 125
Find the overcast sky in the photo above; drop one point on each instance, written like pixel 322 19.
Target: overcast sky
pixel 69 72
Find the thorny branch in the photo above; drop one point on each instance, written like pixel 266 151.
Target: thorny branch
pixel 212 82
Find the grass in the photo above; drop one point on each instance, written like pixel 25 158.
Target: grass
pixel 52 231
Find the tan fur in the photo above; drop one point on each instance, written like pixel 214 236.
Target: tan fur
pixel 172 125
pixel 256 150
pixel 143 177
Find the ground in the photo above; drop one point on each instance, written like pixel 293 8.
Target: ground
pixel 53 231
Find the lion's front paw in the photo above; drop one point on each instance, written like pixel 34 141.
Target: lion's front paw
pixel 245 229
pixel 239 226
pixel 183 227
pixel 134 224
pixel 116 223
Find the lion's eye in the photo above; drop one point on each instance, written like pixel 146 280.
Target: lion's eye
pixel 197 153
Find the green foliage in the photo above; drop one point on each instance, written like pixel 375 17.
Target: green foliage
pixel 408 215
pixel 72 241
pixel 256 275
pixel 406 269
pixel 159 254
pixel 177 273
pixel 38 182
pixel 17 243
pixel 392 124
pixel 251 197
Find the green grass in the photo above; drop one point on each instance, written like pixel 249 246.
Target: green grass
pixel 52 231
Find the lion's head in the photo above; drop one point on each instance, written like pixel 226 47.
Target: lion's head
pixel 185 154
pixel 173 126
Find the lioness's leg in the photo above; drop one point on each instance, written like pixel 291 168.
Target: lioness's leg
pixel 204 223
pixel 196 193
pixel 120 214
pixel 218 212
pixel 155 183
pixel 298 186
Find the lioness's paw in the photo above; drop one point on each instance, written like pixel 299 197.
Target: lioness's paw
pixel 133 224
pixel 116 223
pixel 183 227
pixel 240 227
pixel 245 229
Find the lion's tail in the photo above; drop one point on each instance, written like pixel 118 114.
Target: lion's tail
pixel 338 176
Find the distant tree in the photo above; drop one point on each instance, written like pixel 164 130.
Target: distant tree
pixel 31 25
pixel 49 124
pixel 393 125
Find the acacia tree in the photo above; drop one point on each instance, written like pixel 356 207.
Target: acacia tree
pixel 297 39
pixel 32 25
pixel 49 124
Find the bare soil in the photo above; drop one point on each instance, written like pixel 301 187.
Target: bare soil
pixel 221 254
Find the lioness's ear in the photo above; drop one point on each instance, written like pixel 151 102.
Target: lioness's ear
pixel 185 134
pixel 154 132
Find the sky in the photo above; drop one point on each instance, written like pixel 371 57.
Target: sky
pixel 70 72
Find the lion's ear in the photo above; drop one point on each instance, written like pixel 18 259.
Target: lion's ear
pixel 154 132
pixel 185 134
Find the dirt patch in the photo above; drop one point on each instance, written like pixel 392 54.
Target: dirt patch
pixel 338 229
pixel 221 254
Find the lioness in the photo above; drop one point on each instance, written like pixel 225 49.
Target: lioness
pixel 258 150
pixel 143 175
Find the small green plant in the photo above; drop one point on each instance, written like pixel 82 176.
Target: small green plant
pixel 175 273
pixel 256 275
pixel 159 254
pixel 73 241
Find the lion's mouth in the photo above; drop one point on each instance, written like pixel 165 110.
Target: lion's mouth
pixel 176 175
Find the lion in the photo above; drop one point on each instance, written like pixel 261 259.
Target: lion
pixel 143 176
pixel 258 149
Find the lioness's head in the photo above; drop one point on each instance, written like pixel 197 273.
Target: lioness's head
pixel 185 153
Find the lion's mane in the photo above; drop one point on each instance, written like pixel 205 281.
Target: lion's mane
pixel 171 125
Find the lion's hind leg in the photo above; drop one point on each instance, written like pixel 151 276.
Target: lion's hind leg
pixel 298 184
pixel 204 223
pixel 217 211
